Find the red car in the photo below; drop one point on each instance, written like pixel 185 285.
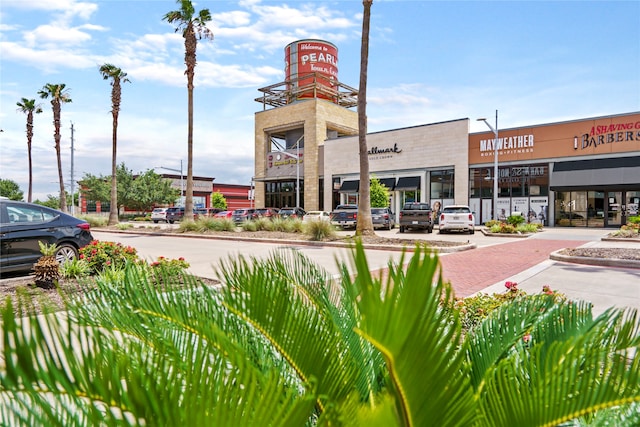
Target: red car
pixel 223 214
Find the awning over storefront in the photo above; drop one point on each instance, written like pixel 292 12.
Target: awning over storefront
pixel 596 174
pixel 349 186
pixel 408 183
pixel 390 183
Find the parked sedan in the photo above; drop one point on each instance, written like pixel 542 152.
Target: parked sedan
pixel 224 214
pixel 456 218
pixel 317 216
pixel 25 224
pixel 383 218
pixel 241 215
pixel 292 213
pixel 267 212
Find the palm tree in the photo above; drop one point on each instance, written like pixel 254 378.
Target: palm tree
pixel 29 107
pixel 117 77
pixel 194 28
pixel 59 95
pixel 283 344
pixel 364 224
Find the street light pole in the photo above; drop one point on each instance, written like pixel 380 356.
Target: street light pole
pixel 495 164
pixel 181 178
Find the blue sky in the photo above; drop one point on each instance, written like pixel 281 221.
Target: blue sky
pixel 430 61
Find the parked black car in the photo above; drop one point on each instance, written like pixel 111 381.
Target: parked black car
pixel 23 225
pixel 292 213
pixel 177 214
pixel 241 215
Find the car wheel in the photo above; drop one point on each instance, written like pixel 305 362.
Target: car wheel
pixel 472 231
pixel 65 253
pixel 429 229
pixel 401 229
pixel 170 222
pixel 155 221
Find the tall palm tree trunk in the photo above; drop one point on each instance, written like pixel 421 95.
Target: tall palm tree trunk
pixel 190 43
pixel 115 111
pixel 29 139
pixel 56 136
pixel 364 225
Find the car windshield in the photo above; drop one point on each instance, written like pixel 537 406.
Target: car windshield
pixel 460 209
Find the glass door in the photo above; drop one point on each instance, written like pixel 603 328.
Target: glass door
pixel 613 209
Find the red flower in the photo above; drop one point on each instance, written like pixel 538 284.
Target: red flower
pixel 526 338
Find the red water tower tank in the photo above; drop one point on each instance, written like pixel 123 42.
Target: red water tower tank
pixel 312 68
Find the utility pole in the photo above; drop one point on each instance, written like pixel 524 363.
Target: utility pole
pixel 72 180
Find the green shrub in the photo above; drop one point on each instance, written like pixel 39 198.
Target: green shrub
pixel 225 224
pixel 187 226
pixel 74 269
pixel 294 226
pixel 249 226
pixel 167 270
pixel 95 220
pixel 515 220
pixel 527 228
pixel 476 308
pixel 263 223
pixel 319 230
pixel 626 232
pixel 634 220
pixel 491 223
pixel 123 226
pixel 100 255
pixel 501 227
pixel 279 224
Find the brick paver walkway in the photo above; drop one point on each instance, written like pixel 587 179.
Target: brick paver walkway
pixel 473 270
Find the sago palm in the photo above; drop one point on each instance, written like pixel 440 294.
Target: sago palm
pixel 117 76
pixel 29 107
pixel 282 343
pixel 193 27
pixel 59 95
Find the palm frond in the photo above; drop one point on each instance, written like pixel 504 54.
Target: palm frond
pixel 293 304
pixel 565 372
pixel 138 359
pixel 419 340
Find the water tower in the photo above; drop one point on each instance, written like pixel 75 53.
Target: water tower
pixel 298 115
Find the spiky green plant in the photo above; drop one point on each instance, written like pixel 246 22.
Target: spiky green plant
pixel 284 344
pixel 47 268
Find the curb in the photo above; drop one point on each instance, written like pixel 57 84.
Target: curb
pixel 513 235
pixel 373 246
pixel 602 262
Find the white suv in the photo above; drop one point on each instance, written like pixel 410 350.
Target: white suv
pixel 159 214
pixel 457 217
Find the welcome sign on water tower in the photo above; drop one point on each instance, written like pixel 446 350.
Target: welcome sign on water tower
pixel 305 57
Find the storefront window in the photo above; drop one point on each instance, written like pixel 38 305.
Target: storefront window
pixel 441 184
pixel 571 208
pixel 283 193
pixel 481 182
pixel 410 196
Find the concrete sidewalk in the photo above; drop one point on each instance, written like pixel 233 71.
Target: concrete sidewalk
pixel 604 287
